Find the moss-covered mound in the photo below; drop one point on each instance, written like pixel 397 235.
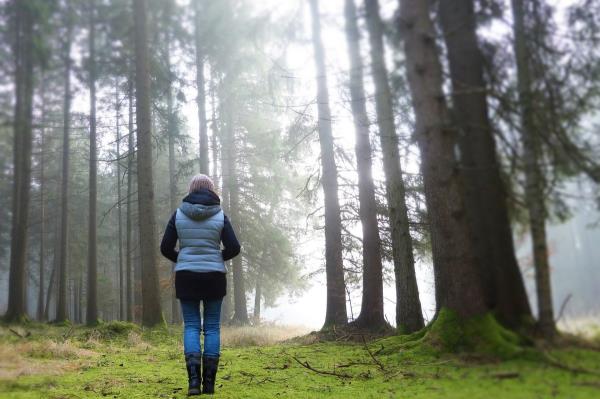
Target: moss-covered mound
pixel 112 330
pixel 448 333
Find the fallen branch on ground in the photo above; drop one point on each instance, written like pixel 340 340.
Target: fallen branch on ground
pixel 506 375
pixel 555 363
pixel 18 334
pixel 377 361
pixel 306 365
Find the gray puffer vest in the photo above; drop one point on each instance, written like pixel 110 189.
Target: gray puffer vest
pixel 199 230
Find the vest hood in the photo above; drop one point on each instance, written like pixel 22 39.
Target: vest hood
pixel 199 211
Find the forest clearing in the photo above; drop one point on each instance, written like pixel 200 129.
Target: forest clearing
pixel 300 198
pixel 119 360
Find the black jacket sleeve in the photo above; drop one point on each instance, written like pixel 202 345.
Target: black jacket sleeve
pixel 230 242
pixel 169 241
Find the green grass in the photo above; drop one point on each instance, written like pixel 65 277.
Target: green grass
pixel 123 361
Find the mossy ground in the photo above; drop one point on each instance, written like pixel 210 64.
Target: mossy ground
pixel 123 361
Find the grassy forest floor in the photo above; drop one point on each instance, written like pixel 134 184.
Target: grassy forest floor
pixel 119 360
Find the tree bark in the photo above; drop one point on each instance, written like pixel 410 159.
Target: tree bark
pixel 122 305
pixel 371 315
pixel 214 130
pixel 171 133
pixel 257 297
pixel 486 196
pixel 457 279
pixel 201 98
pixel 227 310
pixel 42 263
pixel 409 317
pixel 91 317
pixel 51 285
pixel 61 305
pixel 151 307
pixel 335 313
pixel 23 51
pixel 534 178
pixel 240 308
pixel 129 216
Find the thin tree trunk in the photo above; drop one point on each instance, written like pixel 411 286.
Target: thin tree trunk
pixel 486 196
pixel 92 278
pixel 409 317
pixel 119 206
pixel 457 279
pixel 200 99
pixel 80 298
pixel 227 309
pixel 151 307
pixel 215 131
pixel 335 313
pixel 372 309
pixel 61 305
pixel 52 284
pixel 40 303
pixel 534 178
pixel 128 227
pixel 257 297
pixel 23 50
pixel 240 308
pixel 171 133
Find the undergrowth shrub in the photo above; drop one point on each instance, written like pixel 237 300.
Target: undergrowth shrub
pixel 111 330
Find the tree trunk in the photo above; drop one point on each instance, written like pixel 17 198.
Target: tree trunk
pixel 534 178
pixel 61 303
pixel 23 50
pixel 215 132
pixel 227 310
pixel 240 308
pixel 486 196
pixel 80 298
pixel 151 307
pixel 171 133
pixel 457 279
pixel 40 303
pixel 128 223
pixel 409 317
pixel 119 205
pixel 257 297
pixel 335 313
pixel 371 315
pixel 51 286
pixel 91 316
pixel 201 100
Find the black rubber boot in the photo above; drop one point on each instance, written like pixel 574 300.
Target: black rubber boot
pixel 193 364
pixel 210 365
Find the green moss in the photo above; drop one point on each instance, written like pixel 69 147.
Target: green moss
pixel 481 334
pixel 111 330
pixel 120 370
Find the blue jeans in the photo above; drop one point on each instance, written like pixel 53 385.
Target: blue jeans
pixel 193 323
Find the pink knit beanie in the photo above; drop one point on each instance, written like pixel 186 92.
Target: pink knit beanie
pixel 201 181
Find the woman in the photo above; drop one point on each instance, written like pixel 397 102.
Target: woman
pixel 200 226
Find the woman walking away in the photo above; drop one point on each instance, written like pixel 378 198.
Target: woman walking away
pixel 200 226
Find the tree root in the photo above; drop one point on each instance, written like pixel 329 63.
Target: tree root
pixel 550 360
